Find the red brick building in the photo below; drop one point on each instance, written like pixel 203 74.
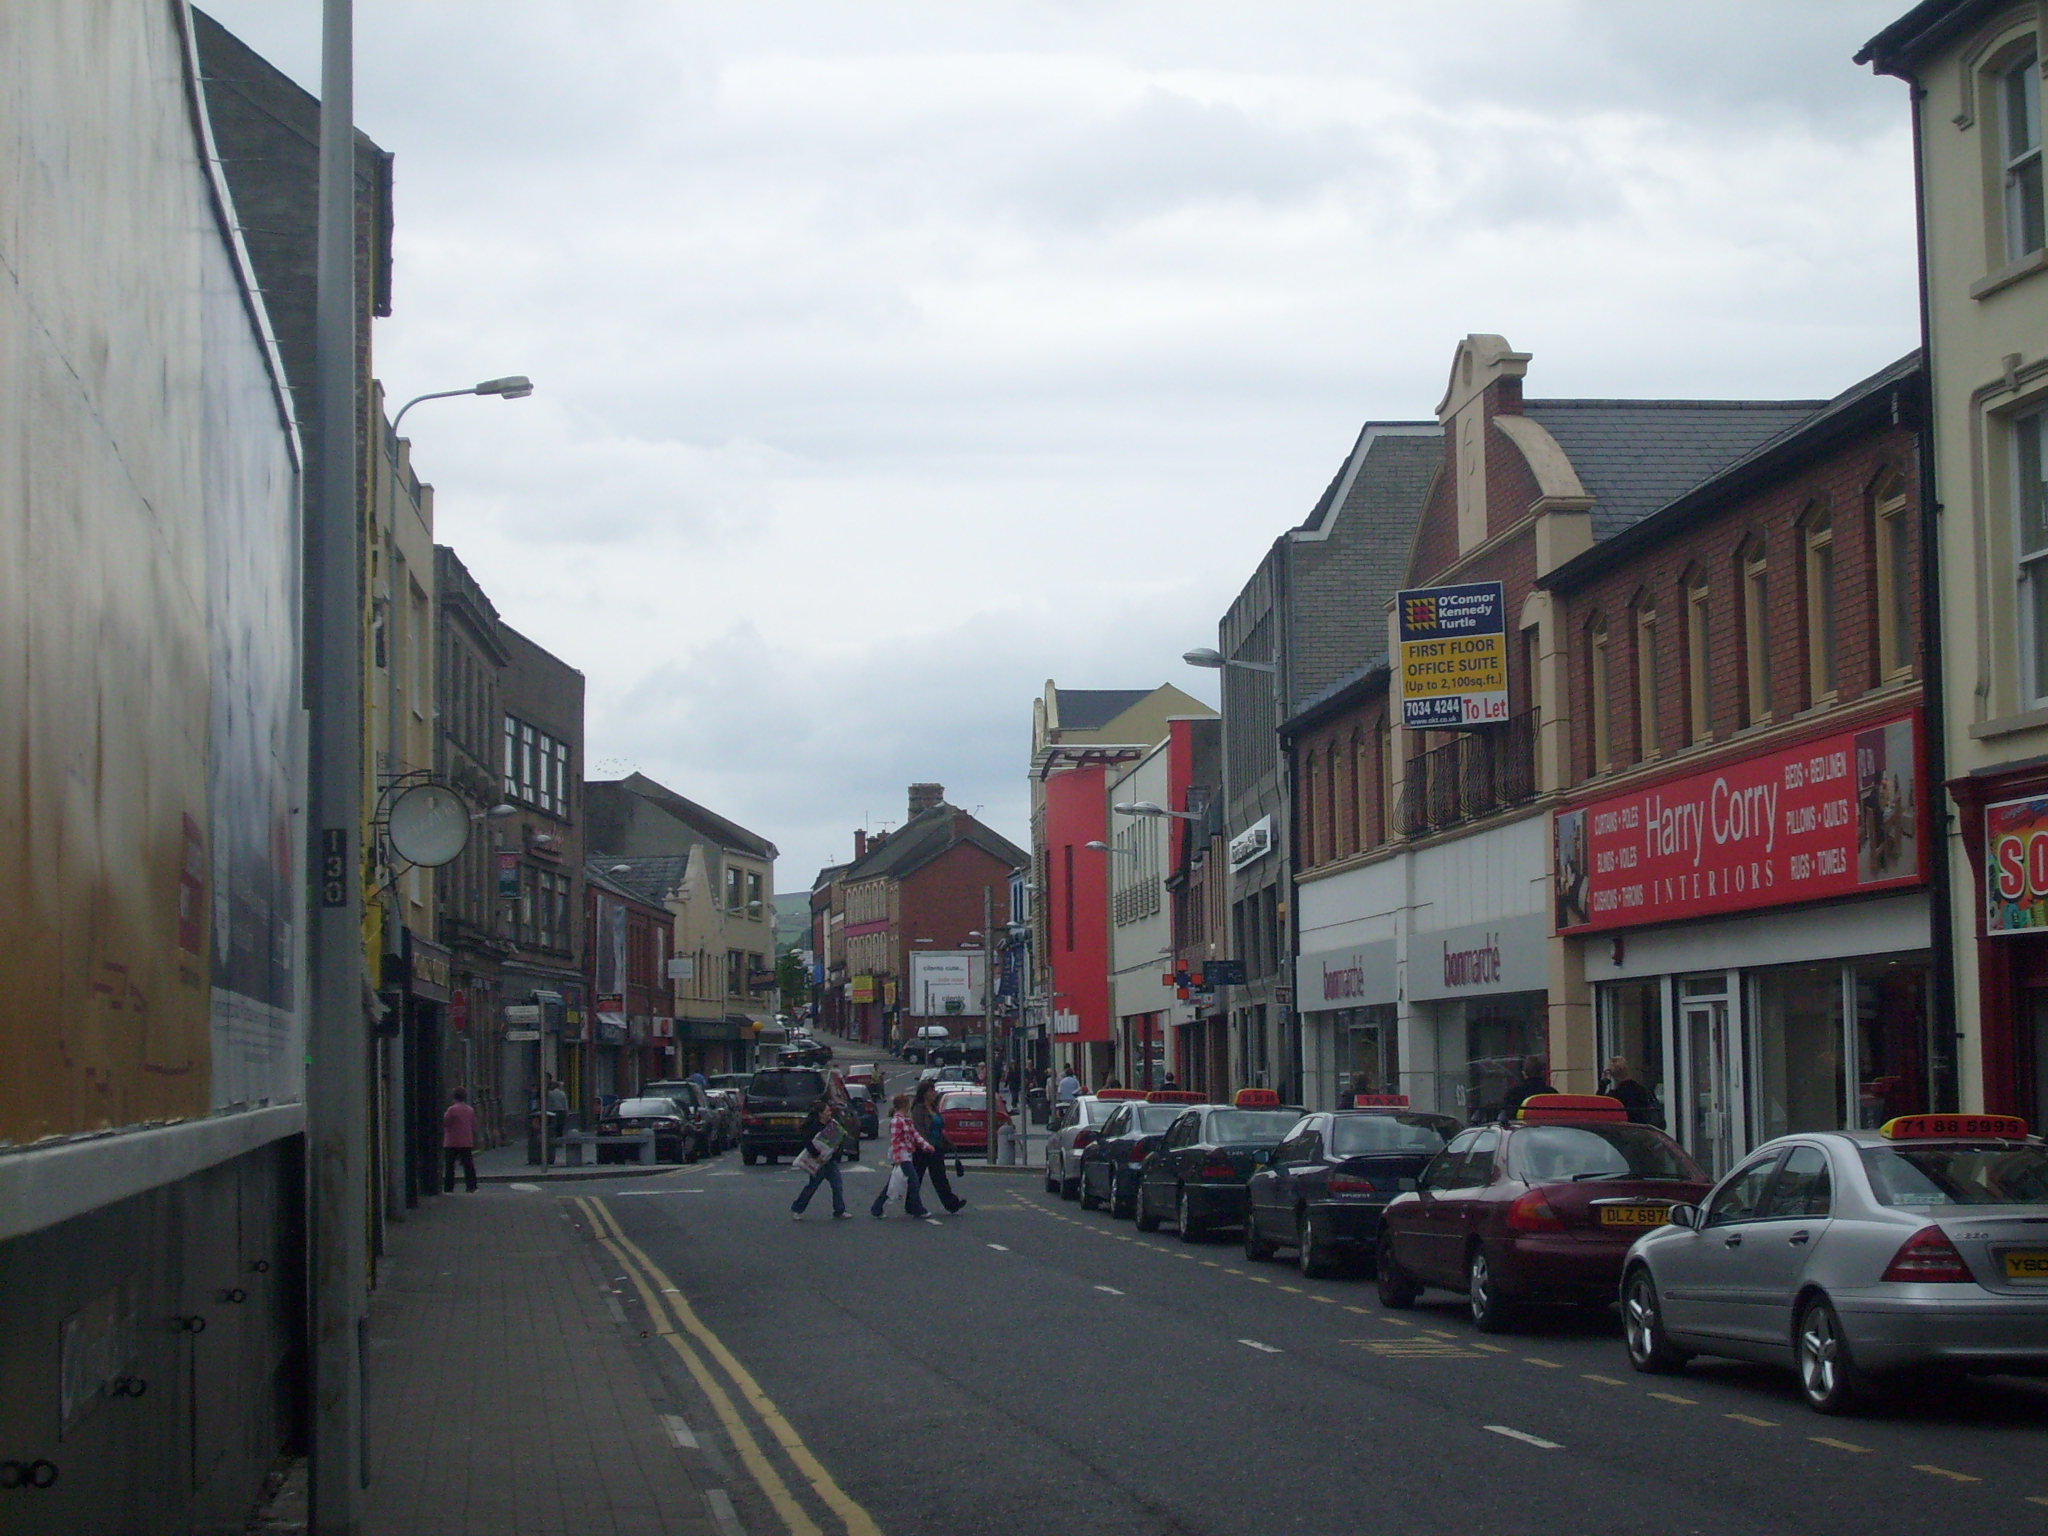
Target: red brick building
pixel 632 936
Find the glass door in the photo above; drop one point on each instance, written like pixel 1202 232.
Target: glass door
pixel 1707 1122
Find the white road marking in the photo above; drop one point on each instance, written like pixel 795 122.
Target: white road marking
pixel 1109 1288
pixel 999 1248
pixel 727 1173
pixel 525 1189
pixel 1264 1349
pixel 623 1193
pixel 722 1512
pixel 679 1434
pixel 1526 1439
pixel 856 1168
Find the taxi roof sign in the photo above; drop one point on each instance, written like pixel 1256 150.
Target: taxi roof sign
pixel 1256 1098
pixel 1539 1107
pixel 1173 1096
pixel 1379 1101
pixel 1947 1127
pixel 1119 1093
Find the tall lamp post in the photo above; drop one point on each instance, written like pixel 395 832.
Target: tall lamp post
pixel 515 386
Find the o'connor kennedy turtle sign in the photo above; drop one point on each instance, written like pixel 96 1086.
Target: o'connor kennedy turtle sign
pixel 1454 656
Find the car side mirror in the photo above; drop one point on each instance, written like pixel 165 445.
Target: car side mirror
pixel 1407 1186
pixel 1687 1216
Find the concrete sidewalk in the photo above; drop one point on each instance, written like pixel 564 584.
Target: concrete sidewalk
pixel 508 1164
pixel 503 1397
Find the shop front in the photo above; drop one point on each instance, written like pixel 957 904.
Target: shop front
pixel 2004 822
pixel 1350 1020
pixel 1756 939
pixel 1479 1006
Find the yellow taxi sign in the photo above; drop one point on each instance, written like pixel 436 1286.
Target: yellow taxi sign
pixel 1945 1127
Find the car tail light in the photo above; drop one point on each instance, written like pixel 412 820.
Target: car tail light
pixel 750 1119
pixel 1082 1138
pixel 1349 1184
pixel 1928 1255
pixel 1218 1168
pixel 1532 1213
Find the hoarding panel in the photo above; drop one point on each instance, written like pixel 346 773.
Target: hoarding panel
pixel 1453 660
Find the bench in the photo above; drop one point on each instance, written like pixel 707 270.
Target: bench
pixel 573 1143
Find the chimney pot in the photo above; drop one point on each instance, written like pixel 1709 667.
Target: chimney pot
pixel 924 796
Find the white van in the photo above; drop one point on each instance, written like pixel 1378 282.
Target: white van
pixel 915 1048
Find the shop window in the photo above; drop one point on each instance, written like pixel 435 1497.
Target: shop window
pixel 1756 634
pixel 2019 97
pixel 2030 502
pixel 1646 683
pixel 1817 534
pixel 1599 683
pixel 1797 1049
pixel 1698 661
pixel 1632 1030
pixel 1892 544
pixel 1500 1032
pixel 1893 1035
pixel 1372 1058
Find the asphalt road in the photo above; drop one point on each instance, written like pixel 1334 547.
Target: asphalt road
pixel 1026 1367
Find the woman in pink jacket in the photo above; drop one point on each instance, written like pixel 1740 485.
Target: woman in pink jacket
pixel 904 1145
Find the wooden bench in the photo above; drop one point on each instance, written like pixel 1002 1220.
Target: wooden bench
pixel 642 1143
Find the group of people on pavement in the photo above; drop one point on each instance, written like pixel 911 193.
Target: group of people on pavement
pixel 918 1150
pixel 1617 1082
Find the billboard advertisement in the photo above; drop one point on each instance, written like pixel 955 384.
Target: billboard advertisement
pixel 945 982
pixel 1837 816
pixel 2016 866
pixel 1453 659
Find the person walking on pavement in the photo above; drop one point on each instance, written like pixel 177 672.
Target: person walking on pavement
pixel 904 1145
pixel 1620 1083
pixel 1070 1087
pixel 558 1116
pixel 1535 1080
pixel 458 1142
pixel 924 1114
pixel 824 1130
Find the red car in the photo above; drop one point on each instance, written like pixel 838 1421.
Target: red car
pixel 966 1119
pixel 1539 1209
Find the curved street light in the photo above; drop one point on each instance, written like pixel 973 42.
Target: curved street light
pixel 1151 808
pixel 1208 656
pixel 515 386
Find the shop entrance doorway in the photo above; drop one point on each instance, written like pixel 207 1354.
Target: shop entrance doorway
pixel 1707 1052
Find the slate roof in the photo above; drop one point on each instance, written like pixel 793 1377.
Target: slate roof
pixel 1633 456
pixel 1359 683
pixel 727 834
pixel 1922 32
pixel 650 879
pixel 927 835
pixel 1090 709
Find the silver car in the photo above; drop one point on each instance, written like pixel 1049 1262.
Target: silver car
pixel 1073 1126
pixel 1853 1255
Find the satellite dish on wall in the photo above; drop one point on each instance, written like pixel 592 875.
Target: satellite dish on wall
pixel 428 825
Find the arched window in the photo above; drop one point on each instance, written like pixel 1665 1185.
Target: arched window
pixel 1891 547
pixel 1753 581
pixel 1817 536
pixel 1647 743
pixel 1600 684
pixel 1699 661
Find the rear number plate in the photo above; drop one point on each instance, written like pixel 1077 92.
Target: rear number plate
pixel 785 1120
pixel 1635 1215
pixel 2030 1267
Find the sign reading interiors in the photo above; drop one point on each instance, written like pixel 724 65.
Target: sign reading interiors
pixel 1454 656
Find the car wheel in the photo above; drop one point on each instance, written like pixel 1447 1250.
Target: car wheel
pixel 747 1156
pixel 1052 1185
pixel 1397 1291
pixel 1827 1371
pixel 1147 1220
pixel 1642 1327
pixel 1491 1311
pixel 692 1149
pixel 1191 1231
pixel 1317 1261
pixel 1120 1208
pixel 1088 1200
pixel 1256 1248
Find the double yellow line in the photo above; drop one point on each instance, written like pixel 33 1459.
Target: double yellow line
pixel 664 1301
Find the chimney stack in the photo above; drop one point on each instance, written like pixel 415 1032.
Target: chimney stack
pixel 860 845
pixel 924 796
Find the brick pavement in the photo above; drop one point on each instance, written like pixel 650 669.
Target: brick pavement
pixel 503 1397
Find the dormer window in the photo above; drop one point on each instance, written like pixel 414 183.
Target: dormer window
pixel 2019 98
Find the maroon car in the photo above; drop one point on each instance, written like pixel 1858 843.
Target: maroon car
pixel 1538 1209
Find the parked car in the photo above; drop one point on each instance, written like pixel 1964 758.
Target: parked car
pixel 804 1053
pixel 778 1099
pixel 1542 1208
pixel 920 1045
pixel 865 1110
pixel 1073 1126
pixel 724 1118
pixel 1853 1256
pixel 735 1081
pixel 691 1101
pixel 966 1051
pixel 674 1139
pixel 1113 1157
pixel 865 1074
pixel 966 1077
pixel 1324 1188
pixel 966 1117
pixel 1196 1179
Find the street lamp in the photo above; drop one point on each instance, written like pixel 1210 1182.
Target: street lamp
pixel 1149 808
pixel 1105 848
pixel 1209 656
pixel 516 386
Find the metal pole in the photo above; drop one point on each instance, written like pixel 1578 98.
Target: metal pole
pixel 337 1043
pixel 988 1012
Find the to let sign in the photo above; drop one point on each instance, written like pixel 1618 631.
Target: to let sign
pixel 1832 817
pixel 1454 656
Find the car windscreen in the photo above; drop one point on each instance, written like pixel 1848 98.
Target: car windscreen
pixel 646 1109
pixel 963 1101
pixel 1095 1111
pixel 1930 1175
pixel 1558 1154
pixel 785 1083
pixel 1229 1126
pixel 1358 1135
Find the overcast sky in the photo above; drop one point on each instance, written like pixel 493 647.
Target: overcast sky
pixel 894 358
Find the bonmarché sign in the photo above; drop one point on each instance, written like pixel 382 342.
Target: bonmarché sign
pixel 1478 966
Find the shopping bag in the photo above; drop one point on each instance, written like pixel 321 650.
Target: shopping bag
pixel 807 1161
pixel 899 1183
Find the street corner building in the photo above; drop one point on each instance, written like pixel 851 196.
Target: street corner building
pixel 152 939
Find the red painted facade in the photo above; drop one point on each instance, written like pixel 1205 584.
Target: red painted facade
pixel 1075 883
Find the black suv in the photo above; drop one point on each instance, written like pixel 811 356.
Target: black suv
pixel 967 1051
pixel 778 1099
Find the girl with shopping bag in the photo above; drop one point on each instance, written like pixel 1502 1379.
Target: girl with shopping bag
pixel 904 1145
